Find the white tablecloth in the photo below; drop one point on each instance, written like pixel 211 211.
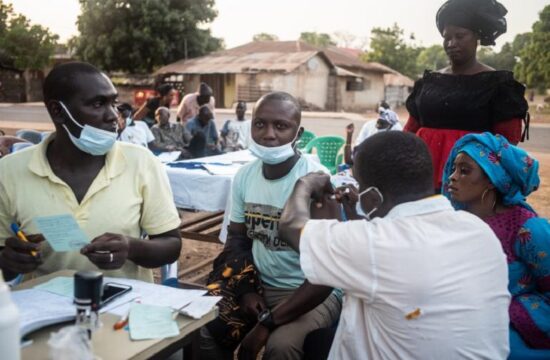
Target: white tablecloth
pixel 201 190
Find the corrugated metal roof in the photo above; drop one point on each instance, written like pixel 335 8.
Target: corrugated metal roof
pixel 271 56
pixel 227 62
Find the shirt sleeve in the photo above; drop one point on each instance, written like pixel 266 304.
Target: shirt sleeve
pixel 533 248
pixel 159 214
pixel 237 200
pixel 149 137
pixel 213 131
pixel 330 255
pixel 5 215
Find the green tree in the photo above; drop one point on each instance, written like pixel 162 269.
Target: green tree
pixel 321 40
pixel 432 58
pixel 265 37
pixel 24 46
pixel 534 65
pixel 139 35
pixel 388 46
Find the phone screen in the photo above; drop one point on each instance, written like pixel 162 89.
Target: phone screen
pixel 112 291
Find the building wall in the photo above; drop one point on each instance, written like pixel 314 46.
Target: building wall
pixel 366 99
pixel 308 83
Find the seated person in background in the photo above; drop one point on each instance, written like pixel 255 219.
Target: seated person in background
pixel 191 103
pixel 131 131
pixel 203 125
pixel 421 280
pixel 279 313
pixel 236 133
pixel 387 120
pixel 7 142
pixel 490 178
pixel 147 111
pixel 114 190
pixel 175 137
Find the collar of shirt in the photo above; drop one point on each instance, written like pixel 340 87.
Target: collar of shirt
pixel 115 162
pixel 427 205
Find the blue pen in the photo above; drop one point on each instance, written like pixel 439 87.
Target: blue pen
pixel 20 235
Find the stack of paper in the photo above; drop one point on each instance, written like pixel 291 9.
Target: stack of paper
pixel 40 308
pixel 152 322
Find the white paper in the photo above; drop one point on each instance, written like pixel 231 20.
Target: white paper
pixel 169 156
pixel 151 294
pixel 200 306
pixel 41 308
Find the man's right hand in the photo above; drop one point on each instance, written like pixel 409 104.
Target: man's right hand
pixel 252 305
pixel 16 256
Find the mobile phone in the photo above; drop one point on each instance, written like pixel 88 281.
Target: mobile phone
pixel 113 290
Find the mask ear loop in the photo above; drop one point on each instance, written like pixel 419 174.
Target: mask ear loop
pixel 374 188
pixel 70 115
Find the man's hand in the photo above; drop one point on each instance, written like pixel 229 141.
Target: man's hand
pixel 16 256
pixel 253 342
pixel 348 196
pixel 108 251
pixel 317 184
pixel 252 305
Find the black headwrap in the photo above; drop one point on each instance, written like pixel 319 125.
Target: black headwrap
pixel 484 17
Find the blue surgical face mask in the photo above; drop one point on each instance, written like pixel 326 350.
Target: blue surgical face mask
pixel 272 155
pixel 128 121
pixel 92 140
pixel 359 208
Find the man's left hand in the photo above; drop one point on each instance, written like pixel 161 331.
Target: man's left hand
pixel 253 342
pixel 108 251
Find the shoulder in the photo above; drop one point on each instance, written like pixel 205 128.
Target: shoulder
pixel 15 162
pixel 249 171
pixel 535 228
pixel 308 164
pixel 136 155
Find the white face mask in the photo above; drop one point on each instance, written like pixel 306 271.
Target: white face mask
pixel 92 140
pixel 359 208
pixel 273 155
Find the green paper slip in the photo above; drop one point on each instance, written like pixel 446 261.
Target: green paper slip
pixel 152 322
pixel 62 232
pixel 62 285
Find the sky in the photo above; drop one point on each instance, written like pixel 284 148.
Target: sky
pixel 239 20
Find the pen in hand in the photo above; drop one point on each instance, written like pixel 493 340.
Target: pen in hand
pixel 21 235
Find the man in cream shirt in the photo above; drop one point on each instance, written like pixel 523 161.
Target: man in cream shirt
pixel 421 280
pixel 115 191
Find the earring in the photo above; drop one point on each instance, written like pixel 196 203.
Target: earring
pixel 493 207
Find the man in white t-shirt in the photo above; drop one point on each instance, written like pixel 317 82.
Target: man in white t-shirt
pixel 421 280
pixel 131 131
pixel 236 133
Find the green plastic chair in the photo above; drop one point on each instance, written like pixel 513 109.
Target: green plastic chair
pixel 306 137
pixel 327 149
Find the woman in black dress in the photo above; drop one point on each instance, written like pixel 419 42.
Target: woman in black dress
pixel 467 96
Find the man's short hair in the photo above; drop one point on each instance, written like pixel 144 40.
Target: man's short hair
pixel 205 111
pixel 398 163
pixel 283 97
pixel 125 107
pixel 241 103
pixel 60 84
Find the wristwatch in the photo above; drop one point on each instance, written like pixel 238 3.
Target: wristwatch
pixel 266 319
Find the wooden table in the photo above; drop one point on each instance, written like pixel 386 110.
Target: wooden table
pixel 109 344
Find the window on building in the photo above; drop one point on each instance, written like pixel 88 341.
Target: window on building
pixel 355 84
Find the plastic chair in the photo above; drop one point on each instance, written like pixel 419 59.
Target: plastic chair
pixel 30 135
pixel 306 137
pixel 327 149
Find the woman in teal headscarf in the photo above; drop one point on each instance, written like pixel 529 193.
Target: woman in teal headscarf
pixel 491 178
